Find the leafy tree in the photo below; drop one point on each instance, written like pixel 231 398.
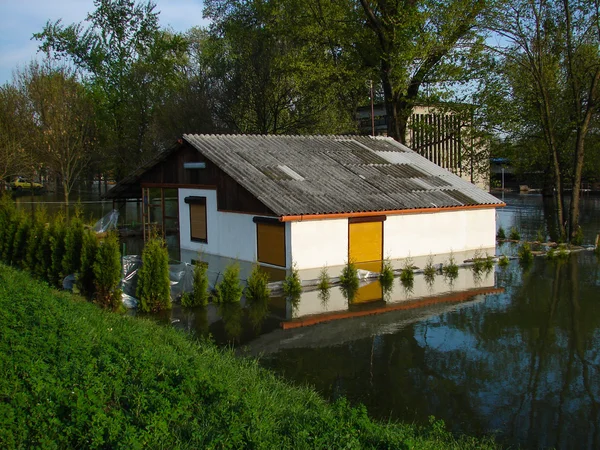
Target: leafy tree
pixel 271 70
pixel 15 124
pixel 549 67
pixel 63 113
pixel 129 62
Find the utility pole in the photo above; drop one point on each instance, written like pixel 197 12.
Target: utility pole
pixel 372 111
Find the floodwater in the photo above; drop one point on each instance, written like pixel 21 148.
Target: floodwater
pixel 513 352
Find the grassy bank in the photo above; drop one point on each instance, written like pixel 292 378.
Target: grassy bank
pixel 72 375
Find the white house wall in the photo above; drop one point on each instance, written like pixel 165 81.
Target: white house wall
pixel 316 243
pixel 231 235
pixel 440 232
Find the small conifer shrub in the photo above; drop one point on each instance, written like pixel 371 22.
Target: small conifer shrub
pixel 540 236
pixel 199 295
pixel 429 270
pixel 349 280
pixel 19 252
pixel 154 285
pixel 514 234
pixel 86 277
pixel 450 268
pixel 229 289
pixel 57 240
pixel 107 273
pixel 43 255
pixel 257 287
pixel 292 286
pixel 386 277
pixel 525 254
pixel 73 245
pixel 12 224
pixel 501 234
pixel 503 261
pixel 407 276
pixel 324 285
pixel 577 238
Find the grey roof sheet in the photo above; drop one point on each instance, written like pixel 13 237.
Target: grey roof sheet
pixel 295 175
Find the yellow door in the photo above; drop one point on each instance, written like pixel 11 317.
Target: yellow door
pixel 271 243
pixel 366 244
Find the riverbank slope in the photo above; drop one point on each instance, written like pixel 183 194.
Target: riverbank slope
pixel 72 375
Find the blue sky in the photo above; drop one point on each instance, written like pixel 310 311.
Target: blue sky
pixel 19 19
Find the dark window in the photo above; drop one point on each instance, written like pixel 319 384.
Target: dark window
pixel 198 231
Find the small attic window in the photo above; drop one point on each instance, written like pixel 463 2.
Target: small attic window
pixel 194 165
pixel 291 173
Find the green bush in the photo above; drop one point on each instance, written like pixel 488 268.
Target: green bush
pixel 501 234
pixel 154 285
pixel 292 286
pixel 257 295
pixel 540 235
pixel 349 280
pixel 386 277
pixel 85 378
pixel 525 254
pixel 514 234
pixel 12 224
pixel 407 275
pixel 57 240
pixel 8 214
pixel 257 287
pixel 107 273
pixel 43 254
pixel 503 261
pixel 19 251
pixel 577 238
pixel 450 268
pixel 199 295
pixel 73 245
pixel 229 289
pixel 429 271
pixel 324 285
pixel 85 277
pixel 34 240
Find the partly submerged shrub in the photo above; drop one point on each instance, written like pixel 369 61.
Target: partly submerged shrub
pixel 349 280
pixel 292 286
pixel 540 235
pixel 525 254
pixel 229 289
pixel 199 295
pixel 577 238
pixel 386 277
pixel 500 234
pixel 450 268
pixel 324 285
pixel 503 261
pixel 107 273
pixel 154 285
pixel 514 234
pixel 257 286
pixel 407 276
pixel 429 270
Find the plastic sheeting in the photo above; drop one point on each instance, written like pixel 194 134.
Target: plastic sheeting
pixel 181 276
pixel 108 222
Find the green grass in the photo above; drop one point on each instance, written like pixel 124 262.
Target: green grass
pixel 73 375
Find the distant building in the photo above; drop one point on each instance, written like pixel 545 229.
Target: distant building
pixel 440 134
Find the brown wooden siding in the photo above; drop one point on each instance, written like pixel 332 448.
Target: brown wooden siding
pixel 230 195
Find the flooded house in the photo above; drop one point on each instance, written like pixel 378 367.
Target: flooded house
pixel 311 201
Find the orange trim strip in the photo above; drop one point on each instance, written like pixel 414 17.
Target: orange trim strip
pixel 303 217
pixel 457 297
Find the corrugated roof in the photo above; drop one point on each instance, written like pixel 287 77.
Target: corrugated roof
pixel 336 174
